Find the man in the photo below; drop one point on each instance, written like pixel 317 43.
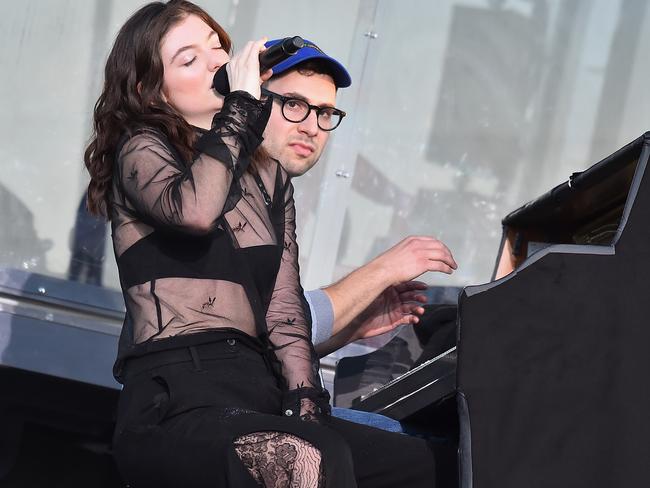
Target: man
pixel 380 295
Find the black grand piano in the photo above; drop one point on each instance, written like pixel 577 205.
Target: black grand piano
pixel 551 359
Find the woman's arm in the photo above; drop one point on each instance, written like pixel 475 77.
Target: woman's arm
pixel 190 198
pixel 290 328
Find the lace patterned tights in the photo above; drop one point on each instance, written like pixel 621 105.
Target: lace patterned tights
pixel 280 460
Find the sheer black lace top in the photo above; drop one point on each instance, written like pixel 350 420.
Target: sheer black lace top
pixel 207 246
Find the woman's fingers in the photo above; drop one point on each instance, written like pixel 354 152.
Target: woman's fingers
pixel 244 68
pixel 266 76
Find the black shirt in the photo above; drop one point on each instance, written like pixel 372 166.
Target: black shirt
pixel 208 246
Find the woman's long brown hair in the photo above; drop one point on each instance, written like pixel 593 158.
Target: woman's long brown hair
pixel 131 97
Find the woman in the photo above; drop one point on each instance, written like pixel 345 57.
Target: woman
pixel 220 378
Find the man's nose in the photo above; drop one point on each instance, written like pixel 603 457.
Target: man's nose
pixel 309 126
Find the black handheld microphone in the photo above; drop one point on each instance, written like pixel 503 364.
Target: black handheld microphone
pixel 268 58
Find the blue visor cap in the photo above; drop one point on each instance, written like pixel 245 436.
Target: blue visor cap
pixel 312 51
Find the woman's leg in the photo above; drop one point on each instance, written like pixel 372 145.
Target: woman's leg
pixel 280 460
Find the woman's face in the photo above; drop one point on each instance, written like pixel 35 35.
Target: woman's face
pixel 191 53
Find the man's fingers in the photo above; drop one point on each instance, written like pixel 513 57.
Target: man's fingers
pixel 412 309
pixel 412 296
pixel 433 249
pixel 416 255
pixel 441 267
pixel 410 319
pixel 441 255
pixel 410 285
pixel 424 242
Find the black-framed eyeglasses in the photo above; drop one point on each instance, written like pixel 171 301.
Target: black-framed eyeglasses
pixel 296 110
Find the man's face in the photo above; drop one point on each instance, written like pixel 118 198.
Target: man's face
pixel 298 146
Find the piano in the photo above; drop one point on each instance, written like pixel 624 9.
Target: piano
pixel 424 396
pixel 551 358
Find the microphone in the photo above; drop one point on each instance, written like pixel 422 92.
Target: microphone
pixel 268 58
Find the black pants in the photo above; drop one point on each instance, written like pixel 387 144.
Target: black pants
pixel 180 411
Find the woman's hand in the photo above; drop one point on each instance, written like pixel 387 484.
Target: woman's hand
pixel 244 69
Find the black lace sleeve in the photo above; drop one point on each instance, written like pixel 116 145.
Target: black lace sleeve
pixel 167 192
pixel 290 328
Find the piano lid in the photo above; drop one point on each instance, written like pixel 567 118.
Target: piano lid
pixel 585 194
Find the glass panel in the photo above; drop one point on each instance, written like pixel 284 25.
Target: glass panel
pixel 43 130
pixel 459 113
pixel 469 109
pixel 52 56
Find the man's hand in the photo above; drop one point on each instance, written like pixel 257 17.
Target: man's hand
pixel 397 305
pixel 412 257
pixel 379 296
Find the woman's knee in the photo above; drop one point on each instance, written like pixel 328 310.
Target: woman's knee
pixel 278 459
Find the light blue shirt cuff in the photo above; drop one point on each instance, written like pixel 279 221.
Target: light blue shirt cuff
pixel 322 315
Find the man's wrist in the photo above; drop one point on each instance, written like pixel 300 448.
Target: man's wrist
pixel 354 326
pixel 381 275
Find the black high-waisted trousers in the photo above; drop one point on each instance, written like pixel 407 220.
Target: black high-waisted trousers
pixel 181 409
